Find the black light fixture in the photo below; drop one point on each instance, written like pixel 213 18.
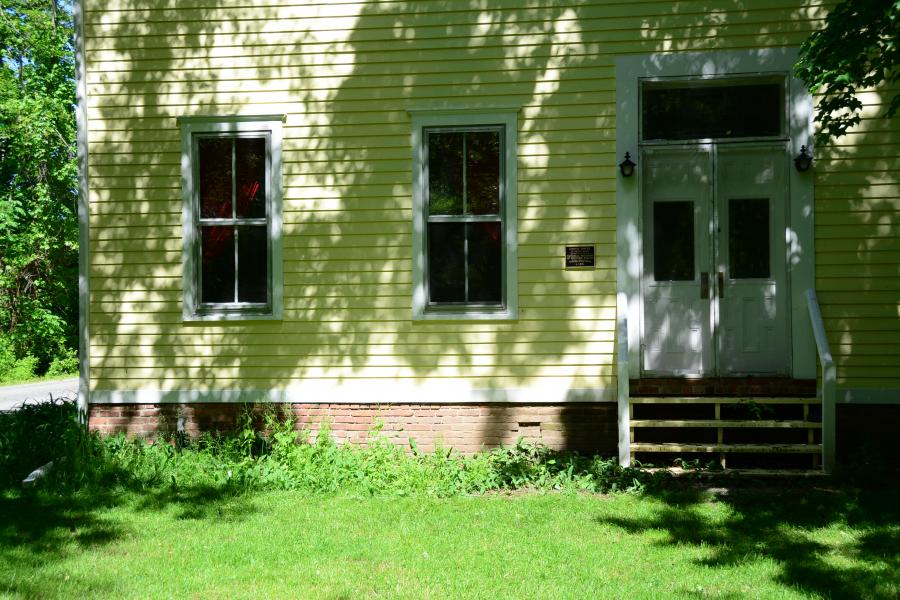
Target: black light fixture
pixel 803 161
pixel 627 166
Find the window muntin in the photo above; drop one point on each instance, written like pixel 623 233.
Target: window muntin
pixel 231 184
pixel 463 172
pixel 747 107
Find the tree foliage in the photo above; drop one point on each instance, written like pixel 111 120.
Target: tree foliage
pixel 858 48
pixel 38 195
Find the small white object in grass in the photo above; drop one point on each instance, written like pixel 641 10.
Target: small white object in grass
pixel 37 474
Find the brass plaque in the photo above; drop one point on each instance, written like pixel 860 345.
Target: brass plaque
pixel 579 256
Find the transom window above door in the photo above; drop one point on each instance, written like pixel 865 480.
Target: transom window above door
pixel 709 109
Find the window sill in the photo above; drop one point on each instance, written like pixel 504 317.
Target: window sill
pixel 228 316
pixel 472 315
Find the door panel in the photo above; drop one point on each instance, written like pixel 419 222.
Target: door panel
pixel 750 251
pixel 676 323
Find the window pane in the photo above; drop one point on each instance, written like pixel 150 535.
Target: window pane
pixel 748 238
pixel 253 267
pixel 673 241
pixel 711 111
pixel 446 262
pixel 217 264
pixel 483 172
pixel 215 177
pixel 484 258
pixel 445 173
pixel 250 167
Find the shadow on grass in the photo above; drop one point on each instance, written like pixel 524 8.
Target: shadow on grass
pixel 836 543
pixel 39 530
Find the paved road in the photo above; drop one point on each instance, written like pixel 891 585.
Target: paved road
pixel 14 395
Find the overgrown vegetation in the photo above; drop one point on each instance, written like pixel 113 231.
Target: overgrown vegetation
pixel 38 225
pixel 276 456
pixel 858 48
pixel 327 520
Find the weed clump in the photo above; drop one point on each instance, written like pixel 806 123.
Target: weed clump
pixel 278 456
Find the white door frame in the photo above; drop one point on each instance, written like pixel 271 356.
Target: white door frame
pixel 799 232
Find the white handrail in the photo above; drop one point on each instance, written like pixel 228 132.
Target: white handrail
pixel 624 399
pixel 828 387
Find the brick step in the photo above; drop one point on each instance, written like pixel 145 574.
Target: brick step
pixel 743 448
pixel 726 423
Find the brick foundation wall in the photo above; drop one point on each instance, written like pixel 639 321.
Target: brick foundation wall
pixel 589 428
pixel 867 435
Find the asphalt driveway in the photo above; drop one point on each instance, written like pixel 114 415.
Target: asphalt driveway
pixel 12 396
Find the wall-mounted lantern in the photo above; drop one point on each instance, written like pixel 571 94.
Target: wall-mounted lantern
pixel 627 166
pixel 803 161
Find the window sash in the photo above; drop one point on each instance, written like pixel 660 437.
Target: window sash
pixel 465 218
pixel 234 306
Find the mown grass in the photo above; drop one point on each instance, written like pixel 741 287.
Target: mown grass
pixel 265 512
pixel 751 543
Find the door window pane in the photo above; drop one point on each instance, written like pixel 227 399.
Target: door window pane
pixel 748 238
pixel 711 110
pixel 673 241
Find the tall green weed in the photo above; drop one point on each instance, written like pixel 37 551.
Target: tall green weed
pixel 267 452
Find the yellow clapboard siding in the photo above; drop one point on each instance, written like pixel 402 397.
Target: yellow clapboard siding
pixel 423 346
pixel 345 74
pixel 857 271
pixel 318 365
pixel 244 383
pixel 300 303
pixel 401 370
pixel 432 334
pixel 328 16
pixel 879 254
pixel 334 311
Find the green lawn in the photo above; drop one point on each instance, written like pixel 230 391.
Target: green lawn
pixel 758 542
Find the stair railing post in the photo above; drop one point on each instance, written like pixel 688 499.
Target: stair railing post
pixel 828 389
pixel 624 400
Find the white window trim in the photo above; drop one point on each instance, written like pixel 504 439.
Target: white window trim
pixel 508 117
pixel 270 125
pixel 800 226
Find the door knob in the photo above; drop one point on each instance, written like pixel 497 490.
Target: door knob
pixel 721 282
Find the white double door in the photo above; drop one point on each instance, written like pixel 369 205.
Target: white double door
pixel 714 289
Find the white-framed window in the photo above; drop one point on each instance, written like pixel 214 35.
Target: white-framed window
pixel 231 188
pixel 464 214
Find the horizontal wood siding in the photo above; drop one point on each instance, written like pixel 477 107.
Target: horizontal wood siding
pixel 858 247
pixel 345 74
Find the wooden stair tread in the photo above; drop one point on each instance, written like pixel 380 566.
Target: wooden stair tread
pixel 760 448
pixel 785 424
pixel 729 472
pixel 723 400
